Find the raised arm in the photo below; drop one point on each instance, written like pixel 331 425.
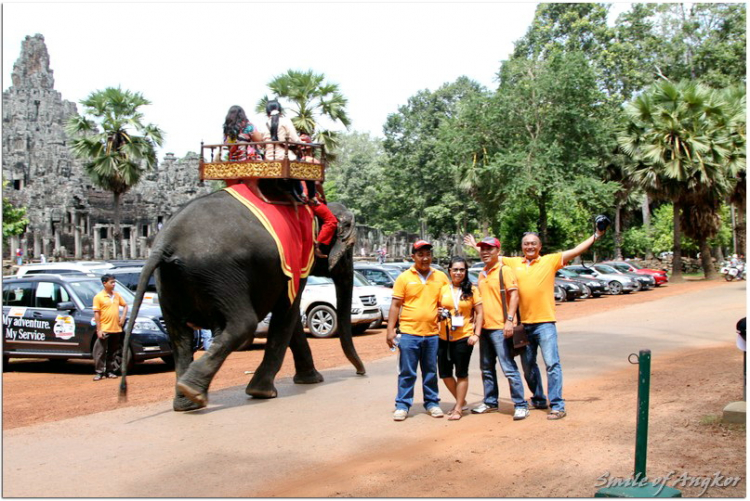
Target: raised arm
pixel 579 249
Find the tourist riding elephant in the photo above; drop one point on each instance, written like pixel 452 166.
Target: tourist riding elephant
pixel 217 267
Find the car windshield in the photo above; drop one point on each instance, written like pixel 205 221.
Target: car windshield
pixel 621 267
pixel 394 273
pixel 313 280
pixel 603 268
pixel 567 274
pixel 87 289
pixel 360 281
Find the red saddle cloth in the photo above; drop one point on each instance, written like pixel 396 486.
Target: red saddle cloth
pixel 293 231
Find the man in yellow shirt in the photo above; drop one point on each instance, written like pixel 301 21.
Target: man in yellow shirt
pixel 536 278
pixel 415 306
pixel 109 321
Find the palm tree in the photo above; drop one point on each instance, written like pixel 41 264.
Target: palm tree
pixel 116 144
pixel 310 99
pixel 679 138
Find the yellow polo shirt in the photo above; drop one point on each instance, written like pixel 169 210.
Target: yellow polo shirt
pixel 109 310
pixel 420 301
pixel 465 308
pixel 536 283
pixel 489 288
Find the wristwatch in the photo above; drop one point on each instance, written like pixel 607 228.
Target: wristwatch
pixel 509 318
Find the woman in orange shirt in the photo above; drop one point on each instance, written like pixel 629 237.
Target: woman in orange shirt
pixel 460 333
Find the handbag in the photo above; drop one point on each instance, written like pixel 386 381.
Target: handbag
pixel 519 341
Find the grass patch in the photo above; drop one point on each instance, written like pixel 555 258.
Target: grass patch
pixel 710 419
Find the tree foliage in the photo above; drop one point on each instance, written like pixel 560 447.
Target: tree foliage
pixel 14 218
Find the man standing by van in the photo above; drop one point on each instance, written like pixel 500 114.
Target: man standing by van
pixel 109 321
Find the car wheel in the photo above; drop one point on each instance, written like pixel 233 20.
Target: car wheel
pixel 586 292
pixel 615 287
pixel 559 294
pixel 58 361
pixel 131 362
pixel 360 328
pixel 169 361
pixel 322 322
pixel 638 286
pixel 375 324
pixel 6 363
pixel 596 294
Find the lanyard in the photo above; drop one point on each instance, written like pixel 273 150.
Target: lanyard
pixel 456 297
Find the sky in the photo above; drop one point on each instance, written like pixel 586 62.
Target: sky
pixel 195 60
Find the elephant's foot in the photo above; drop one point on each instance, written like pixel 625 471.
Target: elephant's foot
pixel 311 377
pixel 361 372
pixel 258 390
pixel 182 404
pixel 193 394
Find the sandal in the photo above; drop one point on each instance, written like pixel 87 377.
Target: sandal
pixel 555 415
pixel 455 415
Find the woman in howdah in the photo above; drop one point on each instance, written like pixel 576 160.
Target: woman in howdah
pixel 237 128
pixel 460 333
pixel 279 128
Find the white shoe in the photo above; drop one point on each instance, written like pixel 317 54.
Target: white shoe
pixel 435 411
pixel 483 409
pixel 400 414
pixel 520 414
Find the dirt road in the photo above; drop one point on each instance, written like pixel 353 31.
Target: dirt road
pixel 337 439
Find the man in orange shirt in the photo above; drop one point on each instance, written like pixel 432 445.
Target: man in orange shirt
pixel 536 278
pixel 416 293
pixel 109 322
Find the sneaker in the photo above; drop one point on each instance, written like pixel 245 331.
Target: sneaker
pixel 435 411
pixel 98 377
pixel 400 414
pixel 521 413
pixel 112 375
pixel 483 409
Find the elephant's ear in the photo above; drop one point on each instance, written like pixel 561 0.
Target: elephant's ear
pixel 346 236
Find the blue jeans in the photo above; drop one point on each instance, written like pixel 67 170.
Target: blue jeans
pixel 492 346
pixel 544 336
pixel 415 350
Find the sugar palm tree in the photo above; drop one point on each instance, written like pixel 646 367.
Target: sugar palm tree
pixel 679 138
pixel 311 101
pixel 115 143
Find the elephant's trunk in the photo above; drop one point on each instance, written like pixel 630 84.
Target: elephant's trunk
pixel 343 277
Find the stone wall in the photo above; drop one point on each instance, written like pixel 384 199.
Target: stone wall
pixel 68 216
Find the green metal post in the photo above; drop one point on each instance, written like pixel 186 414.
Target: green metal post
pixel 641 431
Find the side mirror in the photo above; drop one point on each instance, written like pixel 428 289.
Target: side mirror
pixel 66 306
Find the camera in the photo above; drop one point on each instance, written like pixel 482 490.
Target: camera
pixel 602 222
pixel 444 314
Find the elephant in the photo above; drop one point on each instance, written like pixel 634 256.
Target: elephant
pixel 217 267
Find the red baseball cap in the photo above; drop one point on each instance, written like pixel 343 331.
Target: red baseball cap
pixel 491 241
pixel 420 244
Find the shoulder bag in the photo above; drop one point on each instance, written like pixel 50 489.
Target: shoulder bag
pixel 519 341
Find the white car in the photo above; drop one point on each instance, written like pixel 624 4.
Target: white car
pixel 318 308
pixel 384 295
pixel 64 268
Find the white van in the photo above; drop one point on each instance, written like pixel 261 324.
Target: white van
pixel 64 268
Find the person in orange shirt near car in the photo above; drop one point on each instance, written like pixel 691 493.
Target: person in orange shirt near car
pixel 459 332
pixel 415 306
pixel 109 321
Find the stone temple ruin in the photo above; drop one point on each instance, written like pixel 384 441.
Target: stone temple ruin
pixel 68 216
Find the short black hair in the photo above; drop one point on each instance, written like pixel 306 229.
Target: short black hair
pixel 106 278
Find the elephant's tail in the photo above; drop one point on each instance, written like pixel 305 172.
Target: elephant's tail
pixel 153 262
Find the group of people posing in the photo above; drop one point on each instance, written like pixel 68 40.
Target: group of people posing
pixel 279 130
pixel 440 320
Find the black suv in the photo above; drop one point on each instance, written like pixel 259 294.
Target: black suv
pixel 51 316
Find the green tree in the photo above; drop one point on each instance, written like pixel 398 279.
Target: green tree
pixel 14 218
pixel 681 136
pixel 115 143
pixel 313 102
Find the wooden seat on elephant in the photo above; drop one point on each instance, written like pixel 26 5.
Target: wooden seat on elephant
pixel 303 161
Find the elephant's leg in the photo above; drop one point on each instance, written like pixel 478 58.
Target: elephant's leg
pixel 196 380
pixel 304 365
pixel 181 338
pixel 283 321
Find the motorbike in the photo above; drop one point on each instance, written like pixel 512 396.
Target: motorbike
pixel 733 273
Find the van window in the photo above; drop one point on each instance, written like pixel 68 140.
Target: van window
pixel 18 294
pixel 48 294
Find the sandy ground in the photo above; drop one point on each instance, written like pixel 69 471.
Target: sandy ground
pixel 684 437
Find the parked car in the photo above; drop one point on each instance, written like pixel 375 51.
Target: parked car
pixel 63 268
pixel 644 282
pixel 477 266
pixel 127 263
pixel 572 289
pixel 383 294
pixel 52 316
pixel 318 304
pixel 559 294
pixel 591 286
pixel 129 277
pixel 378 274
pixel 660 276
pixel 617 283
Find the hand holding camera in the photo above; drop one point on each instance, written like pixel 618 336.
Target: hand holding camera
pixel 601 223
